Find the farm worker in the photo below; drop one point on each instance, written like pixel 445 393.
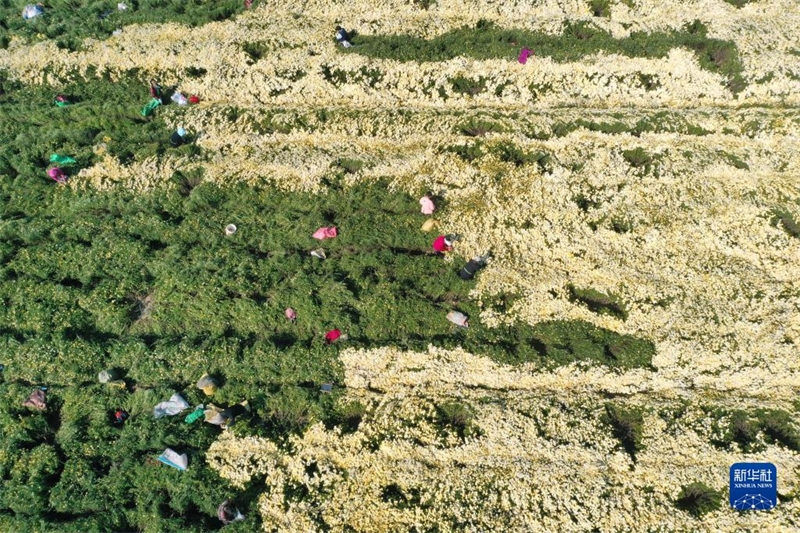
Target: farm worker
pixel 228 513
pixel 61 100
pixel 442 244
pixel 230 414
pixel 176 139
pixel 32 11
pixel 459 319
pixel 342 37
pixel 332 336
pixel 325 233
pixel 179 98
pixel 150 106
pixel 429 224
pixel 57 174
pixel 427 205
pixel 291 314
pixel 207 384
pixel 224 417
pixel 525 54
pixel 155 89
pixel 120 416
pixel 194 99
pixel 474 264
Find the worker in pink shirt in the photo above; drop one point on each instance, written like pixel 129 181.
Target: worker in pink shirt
pixel 442 244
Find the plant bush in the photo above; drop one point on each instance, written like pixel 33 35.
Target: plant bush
pixel 639 158
pixel 787 221
pixel 479 128
pixel 780 426
pixel 743 430
pixel 626 423
pixel 698 499
pixel 599 302
pixel 469 86
pixel 600 8
pixel 458 418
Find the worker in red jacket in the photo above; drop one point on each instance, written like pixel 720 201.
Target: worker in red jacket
pixel 332 336
pixel 442 244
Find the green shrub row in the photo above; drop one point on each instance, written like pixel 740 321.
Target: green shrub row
pixel 577 40
pixel 69 22
pixel 661 122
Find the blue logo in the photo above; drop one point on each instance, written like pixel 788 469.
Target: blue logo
pixel 754 486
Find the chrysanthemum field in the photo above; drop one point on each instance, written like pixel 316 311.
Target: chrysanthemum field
pixel 635 332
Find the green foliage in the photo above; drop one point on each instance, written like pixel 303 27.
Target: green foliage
pixel 470 86
pixel 733 160
pixel 751 430
pixel 104 115
pixel 660 122
pixel 739 3
pixel 599 302
pixel 336 76
pixel 649 81
pixel 559 342
pixel 424 4
pixel 347 416
pixel 255 51
pixel 478 128
pixel 600 8
pixel 485 41
pixel 780 427
pixel 639 158
pixel 409 498
pixel 25 490
pixel 458 418
pixel 667 122
pixel 289 411
pixel 469 152
pixel 508 152
pixel 698 499
pixel 147 283
pixel 69 22
pixel 787 221
pixel 626 423
pixel 742 428
pixel 350 166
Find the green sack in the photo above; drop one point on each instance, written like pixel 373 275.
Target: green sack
pixel 62 104
pixel 194 416
pixel 61 159
pixel 151 105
